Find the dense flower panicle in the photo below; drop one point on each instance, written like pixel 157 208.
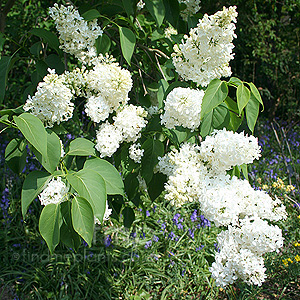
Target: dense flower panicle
pixel 241 250
pixel 75 34
pixel 76 81
pixel 182 108
pixel 107 213
pixel 226 200
pixel 55 192
pixel 224 149
pixel 111 82
pixel 108 139
pixel 186 174
pixel 205 54
pixel 192 7
pixel 52 101
pixel 231 264
pixel 130 120
pixel 136 153
pixel 97 108
pixel 128 123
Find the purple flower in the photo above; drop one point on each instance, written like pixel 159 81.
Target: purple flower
pixel 147 213
pixel 172 235
pixel 155 238
pixel 194 216
pixel 148 244
pixel 199 248
pixel 107 241
pixel 191 233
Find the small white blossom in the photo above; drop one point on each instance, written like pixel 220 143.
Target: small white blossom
pixel 107 213
pixel 55 192
pixel 170 31
pixel 192 7
pixel 136 153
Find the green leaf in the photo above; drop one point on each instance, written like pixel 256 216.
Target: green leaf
pixel 4 69
pixel 91 14
pixel 162 90
pixel 156 185
pixel 33 185
pixel 252 111
pixel 82 147
pixel 15 155
pixel 83 218
pixel 12 111
pixel 33 130
pixel 157 10
pixel 256 93
pixel 54 62
pixel 91 186
pixel 243 96
pixel 128 40
pixel 67 233
pixel 152 150
pixel 244 169
pixel 172 11
pixel 131 185
pixel 127 4
pixel 218 118
pixel 103 44
pixel 235 81
pixel 49 225
pixel 113 180
pixel 47 36
pixel 215 94
pixel 51 161
pixel 128 216
pixel 235 119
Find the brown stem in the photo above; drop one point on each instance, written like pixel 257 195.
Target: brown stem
pixel 3 13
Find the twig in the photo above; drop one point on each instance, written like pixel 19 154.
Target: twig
pixel 160 69
pixel 297 204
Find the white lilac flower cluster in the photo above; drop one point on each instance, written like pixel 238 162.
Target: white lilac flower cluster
pixel 76 35
pixel 108 87
pixel 52 101
pixel 224 149
pixel 192 7
pixel 136 153
pixel 182 108
pixel 206 52
pixel 241 250
pixel 127 126
pixel 55 192
pixel 199 173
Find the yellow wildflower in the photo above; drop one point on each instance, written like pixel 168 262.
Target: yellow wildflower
pixel 289 260
pixel 265 187
pixel 289 188
pixel 297 258
pixel 297 244
pixel 285 262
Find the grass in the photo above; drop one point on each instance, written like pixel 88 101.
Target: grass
pixel 165 255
